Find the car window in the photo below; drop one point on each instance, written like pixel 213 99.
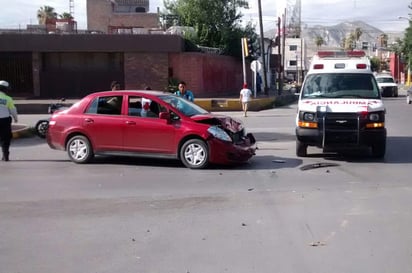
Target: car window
pixel 144 107
pixel 385 80
pixel 340 85
pixel 108 105
pixel 184 106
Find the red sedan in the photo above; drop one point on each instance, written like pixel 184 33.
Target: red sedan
pixel 148 124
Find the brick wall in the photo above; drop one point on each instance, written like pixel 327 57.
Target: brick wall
pixel 208 75
pixel 141 69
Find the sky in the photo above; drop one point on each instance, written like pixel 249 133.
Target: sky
pixel 382 14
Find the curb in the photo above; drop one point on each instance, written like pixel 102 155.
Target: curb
pixel 233 104
pixel 20 130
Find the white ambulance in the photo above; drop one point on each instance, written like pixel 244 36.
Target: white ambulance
pixel 340 105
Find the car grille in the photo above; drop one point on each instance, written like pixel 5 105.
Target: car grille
pixel 341 128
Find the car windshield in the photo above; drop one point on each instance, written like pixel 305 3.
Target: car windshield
pixel 186 107
pixel 385 80
pixel 340 85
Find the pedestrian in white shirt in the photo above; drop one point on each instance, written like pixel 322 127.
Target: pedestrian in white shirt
pixel 245 98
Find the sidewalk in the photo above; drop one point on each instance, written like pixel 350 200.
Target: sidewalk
pixel 261 102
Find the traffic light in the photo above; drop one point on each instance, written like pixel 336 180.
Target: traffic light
pixel 248 47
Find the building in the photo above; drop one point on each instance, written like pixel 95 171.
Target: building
pixel 121 17
pixel 294 61
pixel 74 65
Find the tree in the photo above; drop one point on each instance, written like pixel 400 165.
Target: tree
pixel 319 41
pixel 357 33
pixel 407 41
pixel 44 13
pixel 216 22
pixel 350 41
pixel 66 15
pixel 383 40
pixel 375 63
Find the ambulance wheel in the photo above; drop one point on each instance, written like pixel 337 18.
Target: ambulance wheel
pixel 301 149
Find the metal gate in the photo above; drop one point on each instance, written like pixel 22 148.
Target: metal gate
pixel 16 68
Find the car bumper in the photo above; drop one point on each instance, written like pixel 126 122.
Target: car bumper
pixel 51 137
pixel 363 138
pixel 222 152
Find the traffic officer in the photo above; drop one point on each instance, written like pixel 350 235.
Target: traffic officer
pixel 7 111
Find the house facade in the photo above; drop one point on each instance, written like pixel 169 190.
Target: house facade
pixel 121 17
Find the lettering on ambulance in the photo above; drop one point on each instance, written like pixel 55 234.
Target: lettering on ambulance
pixel 333 102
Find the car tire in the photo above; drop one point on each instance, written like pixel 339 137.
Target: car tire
pixel 194 154
pixel 379 149
pixel 41 128
pixel 408 99
pixel 395 93
pixel 301 149
pixel 79 149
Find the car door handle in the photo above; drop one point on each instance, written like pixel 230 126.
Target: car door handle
pixel 129 122
pixel 88 120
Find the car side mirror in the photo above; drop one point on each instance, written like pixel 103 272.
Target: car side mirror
pixel 165 115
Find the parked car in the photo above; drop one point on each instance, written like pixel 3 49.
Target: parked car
pixel 148 124
pixel 409 96
pixel 387 85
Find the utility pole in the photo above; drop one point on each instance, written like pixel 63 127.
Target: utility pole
pixel 279 65
pixel 262 50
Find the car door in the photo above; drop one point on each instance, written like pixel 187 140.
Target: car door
pixel 103 122
pixel 145 132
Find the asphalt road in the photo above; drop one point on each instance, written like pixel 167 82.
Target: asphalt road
pixel 269 215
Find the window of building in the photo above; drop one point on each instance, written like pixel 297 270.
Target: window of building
pixel 293 47
pixel 292 63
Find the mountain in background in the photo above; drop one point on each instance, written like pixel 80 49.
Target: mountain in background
pixel 333 35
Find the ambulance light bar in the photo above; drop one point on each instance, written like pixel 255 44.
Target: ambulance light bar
pixel 341 54
pixel 340 66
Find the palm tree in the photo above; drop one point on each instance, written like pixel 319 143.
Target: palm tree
pixel 44 13
pixel 65 15
pixel 383 40
pixel 319 41
pixel 343 43
pixel 358 33
pixel 351 41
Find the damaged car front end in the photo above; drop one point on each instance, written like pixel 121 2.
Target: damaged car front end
pixel 228 141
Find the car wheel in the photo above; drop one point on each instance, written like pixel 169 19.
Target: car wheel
pixel 408 99
pixel 79 149
pixel 41 128
pixel 379 149
pixel 194 154
pixel 395 93
pixel 301 149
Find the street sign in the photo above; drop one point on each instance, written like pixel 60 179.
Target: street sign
pixel 256 66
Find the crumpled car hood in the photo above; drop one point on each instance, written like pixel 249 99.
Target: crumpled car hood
pixel 225 122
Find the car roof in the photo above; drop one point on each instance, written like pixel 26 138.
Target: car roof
pixel 130 92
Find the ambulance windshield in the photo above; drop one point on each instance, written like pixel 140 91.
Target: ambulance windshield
pixel 341 85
